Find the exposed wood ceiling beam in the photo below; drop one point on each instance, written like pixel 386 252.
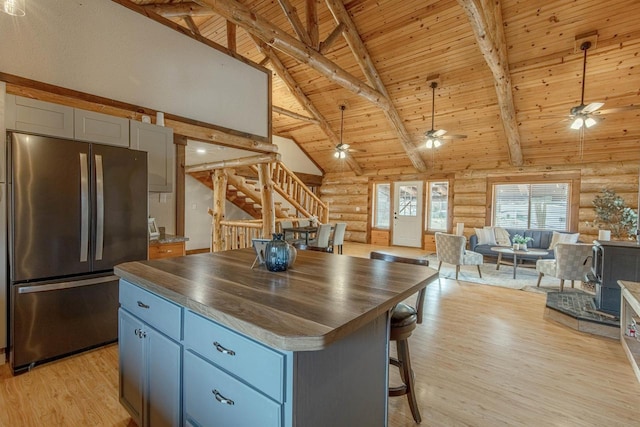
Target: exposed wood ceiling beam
pixel 178 10
pixel 485 17
pixel 231 37
pixel 294 115
pixel 363 58
pixel 326 44
pixel 292 15
pixel 191 24
pixel 312 23
pixel 305 102
pixel 272 35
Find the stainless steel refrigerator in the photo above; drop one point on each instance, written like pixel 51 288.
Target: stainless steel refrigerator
pixel 74 211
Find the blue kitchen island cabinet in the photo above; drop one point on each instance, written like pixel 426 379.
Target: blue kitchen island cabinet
pixel 304 347
pixel 150 360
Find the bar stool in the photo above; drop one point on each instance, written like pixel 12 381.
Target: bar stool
pixel 404 319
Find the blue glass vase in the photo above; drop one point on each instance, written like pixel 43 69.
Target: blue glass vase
pixel 276 254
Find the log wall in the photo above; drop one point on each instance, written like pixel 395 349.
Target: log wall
pixel 349 197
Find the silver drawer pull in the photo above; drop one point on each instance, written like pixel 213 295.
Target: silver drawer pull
pixel 142 305
pixel 223 350
pixel 220 398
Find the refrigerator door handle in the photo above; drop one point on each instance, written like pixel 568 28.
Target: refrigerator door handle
pixel 84 208
pixel 99 208
pixel 66 285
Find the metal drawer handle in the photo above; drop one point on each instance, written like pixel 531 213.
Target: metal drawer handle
pixel 142 305
pixel 220 398
pixel 223 350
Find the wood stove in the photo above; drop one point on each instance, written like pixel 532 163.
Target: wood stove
pixel 613 261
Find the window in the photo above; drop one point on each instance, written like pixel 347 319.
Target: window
pixel 437 205
pixel 408 202
pixel 537 205
pixel 381 205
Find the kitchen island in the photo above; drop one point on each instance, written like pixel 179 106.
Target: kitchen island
pixel 205 339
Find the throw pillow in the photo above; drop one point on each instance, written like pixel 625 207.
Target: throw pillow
pixel 563 238
pixel 502 236
pixel 485 236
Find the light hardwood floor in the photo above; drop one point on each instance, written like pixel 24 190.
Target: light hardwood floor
pixel 484 356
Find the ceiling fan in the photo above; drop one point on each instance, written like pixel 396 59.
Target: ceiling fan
pixel 343 148
pixel 581 115
pixel 435 138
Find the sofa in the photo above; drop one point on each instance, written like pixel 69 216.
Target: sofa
pixel 541 240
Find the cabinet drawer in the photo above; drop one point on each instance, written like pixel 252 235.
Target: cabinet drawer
pixel 212 397
pixel 256 364
pixel 159 313
pixel 166 250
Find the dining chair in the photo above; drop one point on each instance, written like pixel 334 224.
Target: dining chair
pixel 283 226
pixel 322 236
pixel 303 223
pixel 338 236
pixel 403 321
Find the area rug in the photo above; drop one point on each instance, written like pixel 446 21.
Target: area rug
pixel 526 278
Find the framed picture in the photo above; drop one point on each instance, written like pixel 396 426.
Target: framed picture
pixel 259 245
pixel 153 229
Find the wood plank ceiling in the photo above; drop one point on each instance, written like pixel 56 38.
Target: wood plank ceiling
pixel 513 114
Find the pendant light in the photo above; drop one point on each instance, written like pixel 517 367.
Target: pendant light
pixel 341 148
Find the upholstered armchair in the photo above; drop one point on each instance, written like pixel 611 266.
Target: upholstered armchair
pixel 571 263
pixel 451 249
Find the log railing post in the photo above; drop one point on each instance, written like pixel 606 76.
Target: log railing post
pixel 266 191
pixel 219 196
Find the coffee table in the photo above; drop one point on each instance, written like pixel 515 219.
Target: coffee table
pixel 509 251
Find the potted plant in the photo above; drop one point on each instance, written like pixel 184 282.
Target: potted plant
pixel 520 242
pixel 612 213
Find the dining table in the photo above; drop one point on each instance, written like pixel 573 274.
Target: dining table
pixel 314 338
pixel 303 231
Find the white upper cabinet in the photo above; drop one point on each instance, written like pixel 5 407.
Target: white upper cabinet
pixel 102 128
pixel 157 141
pixel 45 118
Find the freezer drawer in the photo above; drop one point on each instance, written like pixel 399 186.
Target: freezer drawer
pixel 51 320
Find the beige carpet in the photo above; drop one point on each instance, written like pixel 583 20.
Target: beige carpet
pixel 526 278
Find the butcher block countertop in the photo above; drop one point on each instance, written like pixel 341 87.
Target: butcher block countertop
pixel 321 299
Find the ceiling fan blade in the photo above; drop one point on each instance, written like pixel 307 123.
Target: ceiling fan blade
pixel 439 133
pixel 592 107
pixel 619 109
pixel 356 150
pixel 453 137
pixel 556 122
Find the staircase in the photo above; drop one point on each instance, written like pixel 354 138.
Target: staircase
pixel 244 192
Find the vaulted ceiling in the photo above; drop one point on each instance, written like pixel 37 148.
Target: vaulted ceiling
pixel 508 73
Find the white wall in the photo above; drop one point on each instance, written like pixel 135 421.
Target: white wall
pixel 294 158
pixel 102 48
pixel 162 207
pixel 198 198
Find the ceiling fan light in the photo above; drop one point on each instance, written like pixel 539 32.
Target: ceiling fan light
pixel 577 123
pixel 13 7
pixel 429 143
pixel 590 121
pixel 437 143
pixel 336 154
